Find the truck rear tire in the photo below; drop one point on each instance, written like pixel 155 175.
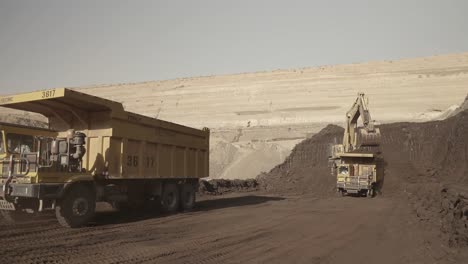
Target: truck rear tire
pixel 77 207
pixel 170 198
pixel 187 197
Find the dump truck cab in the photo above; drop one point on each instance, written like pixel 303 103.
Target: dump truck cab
pixel 28 174
pixel 356 174
pixel 37 162
pixel 95 151
pixel 23 146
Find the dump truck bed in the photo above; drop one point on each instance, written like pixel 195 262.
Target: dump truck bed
pixel 120 144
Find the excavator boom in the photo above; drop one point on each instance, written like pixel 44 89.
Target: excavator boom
pixel 355 137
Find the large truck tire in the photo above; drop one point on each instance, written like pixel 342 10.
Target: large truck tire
pixel 170 198
pixel 187 197
pixel 77 207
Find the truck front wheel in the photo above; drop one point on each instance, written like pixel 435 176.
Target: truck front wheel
pixel 77 207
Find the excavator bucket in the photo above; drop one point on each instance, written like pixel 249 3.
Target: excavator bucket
pixel 368 138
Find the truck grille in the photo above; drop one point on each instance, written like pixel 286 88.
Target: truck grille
pixel 355 183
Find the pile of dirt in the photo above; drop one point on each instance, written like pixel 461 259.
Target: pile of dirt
pixel 420 153
pixel 443 208
pixel 222 186
pixel 306 169
pixel 414 153
pixel 454 214
pixel 421 160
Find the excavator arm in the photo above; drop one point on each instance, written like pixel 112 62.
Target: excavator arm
pixel 355 137
pixel 360 109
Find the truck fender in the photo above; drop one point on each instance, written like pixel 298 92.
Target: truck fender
pixel 85 180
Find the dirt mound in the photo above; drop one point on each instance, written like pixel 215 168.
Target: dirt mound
pixel 454 214
pixel 421 160
pixel 414 153
pixel 306 169
pixel 427 152
pixel 222 186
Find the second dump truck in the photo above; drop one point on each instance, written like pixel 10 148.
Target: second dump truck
pixel 95 151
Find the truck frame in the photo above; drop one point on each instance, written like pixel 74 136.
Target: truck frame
pixel 95 151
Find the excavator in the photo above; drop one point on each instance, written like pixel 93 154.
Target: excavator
pixel 358 162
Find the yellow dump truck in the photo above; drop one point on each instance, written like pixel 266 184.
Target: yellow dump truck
pixel 95 151
pixel 358 173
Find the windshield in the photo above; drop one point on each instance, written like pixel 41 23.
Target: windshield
pixel 343 170
pixel 17 143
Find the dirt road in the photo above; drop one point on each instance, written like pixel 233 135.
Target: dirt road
pixel 237 228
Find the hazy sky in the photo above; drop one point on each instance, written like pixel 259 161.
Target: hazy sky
pixel 47 44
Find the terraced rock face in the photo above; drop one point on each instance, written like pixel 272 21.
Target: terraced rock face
pixel 399 90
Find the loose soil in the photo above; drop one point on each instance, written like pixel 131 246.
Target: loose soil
pixel 222 186
pixel 239 228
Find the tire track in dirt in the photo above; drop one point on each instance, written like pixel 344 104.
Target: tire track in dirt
pixel 233 229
